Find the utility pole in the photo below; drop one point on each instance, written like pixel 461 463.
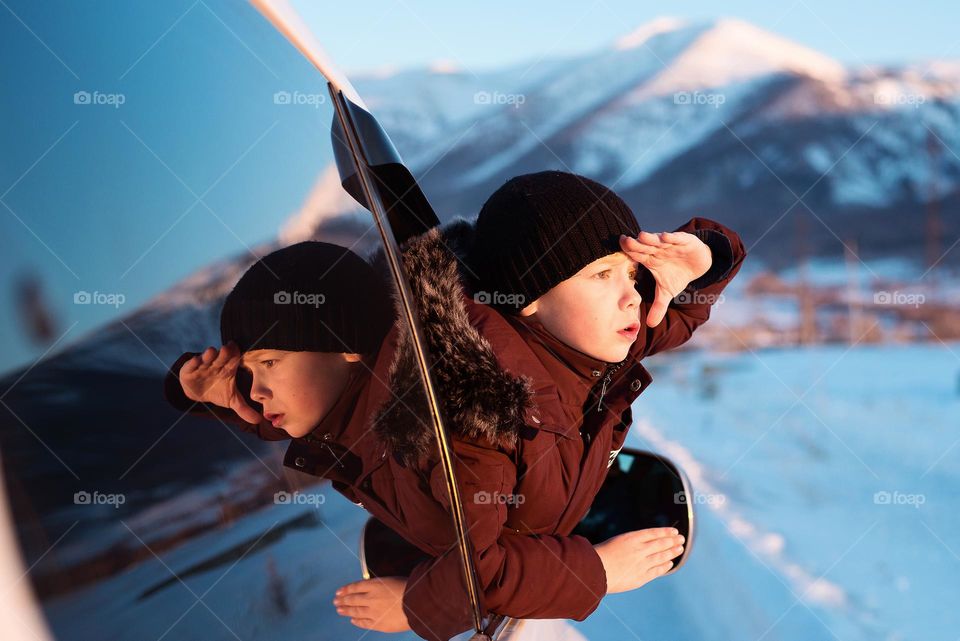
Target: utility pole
pixel 807 333
pixel 853 290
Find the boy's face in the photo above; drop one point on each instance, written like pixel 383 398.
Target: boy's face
pixel 297 389
pixel 596 311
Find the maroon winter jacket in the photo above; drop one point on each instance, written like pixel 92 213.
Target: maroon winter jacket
pixel 533 438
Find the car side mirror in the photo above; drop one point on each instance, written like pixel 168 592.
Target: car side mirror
pixel 642 490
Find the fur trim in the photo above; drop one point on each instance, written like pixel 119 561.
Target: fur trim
pixel 479 399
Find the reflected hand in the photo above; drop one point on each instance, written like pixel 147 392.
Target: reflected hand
pixel 211 377
pixel 374 604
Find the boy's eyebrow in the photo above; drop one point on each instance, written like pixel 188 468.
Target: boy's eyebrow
pixel 248 357
pixel 618 257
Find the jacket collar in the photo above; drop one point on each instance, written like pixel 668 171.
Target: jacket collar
pixel 480 399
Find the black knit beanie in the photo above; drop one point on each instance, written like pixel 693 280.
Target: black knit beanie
pixel 540 229
pixel 311 296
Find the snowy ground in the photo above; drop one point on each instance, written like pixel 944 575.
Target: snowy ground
pixel 788 456
pixel 786 451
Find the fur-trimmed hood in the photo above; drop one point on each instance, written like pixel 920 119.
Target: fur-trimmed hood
pixel 479 399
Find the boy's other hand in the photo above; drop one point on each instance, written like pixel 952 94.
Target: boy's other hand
pixel 674 258
pixel 635 558
pixel 374 604
pixel 211 377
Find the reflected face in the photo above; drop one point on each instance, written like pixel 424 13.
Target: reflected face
pixel 596 311
pixel 297 389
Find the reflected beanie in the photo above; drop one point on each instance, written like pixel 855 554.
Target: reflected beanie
pixel 540 229
pixel 311 296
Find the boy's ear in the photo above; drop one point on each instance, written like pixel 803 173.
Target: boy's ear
pixel 352 358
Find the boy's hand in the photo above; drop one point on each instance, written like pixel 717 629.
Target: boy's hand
pixel 635 558
pixel 374 604
pixel 211 378
pixel 674 258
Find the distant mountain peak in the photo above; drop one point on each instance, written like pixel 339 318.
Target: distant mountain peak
pixel 726 49
pixel 647 30
pixel 327 199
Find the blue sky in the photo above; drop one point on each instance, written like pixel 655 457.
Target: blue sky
pixel 199 163
pixel 364 34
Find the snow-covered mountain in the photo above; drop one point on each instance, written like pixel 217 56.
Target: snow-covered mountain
pixel 716 118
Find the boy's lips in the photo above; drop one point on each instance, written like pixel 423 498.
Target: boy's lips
pixel 631 331
pixel 273 418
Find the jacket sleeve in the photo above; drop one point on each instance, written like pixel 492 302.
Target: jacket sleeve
pixel 173 392
pixel 690 308
pixel 524 576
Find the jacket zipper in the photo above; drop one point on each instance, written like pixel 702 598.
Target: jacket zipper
pixel 323 443
pixel 606 381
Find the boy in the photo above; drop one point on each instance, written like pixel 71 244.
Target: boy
pixel 299 331
pixel 582 296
